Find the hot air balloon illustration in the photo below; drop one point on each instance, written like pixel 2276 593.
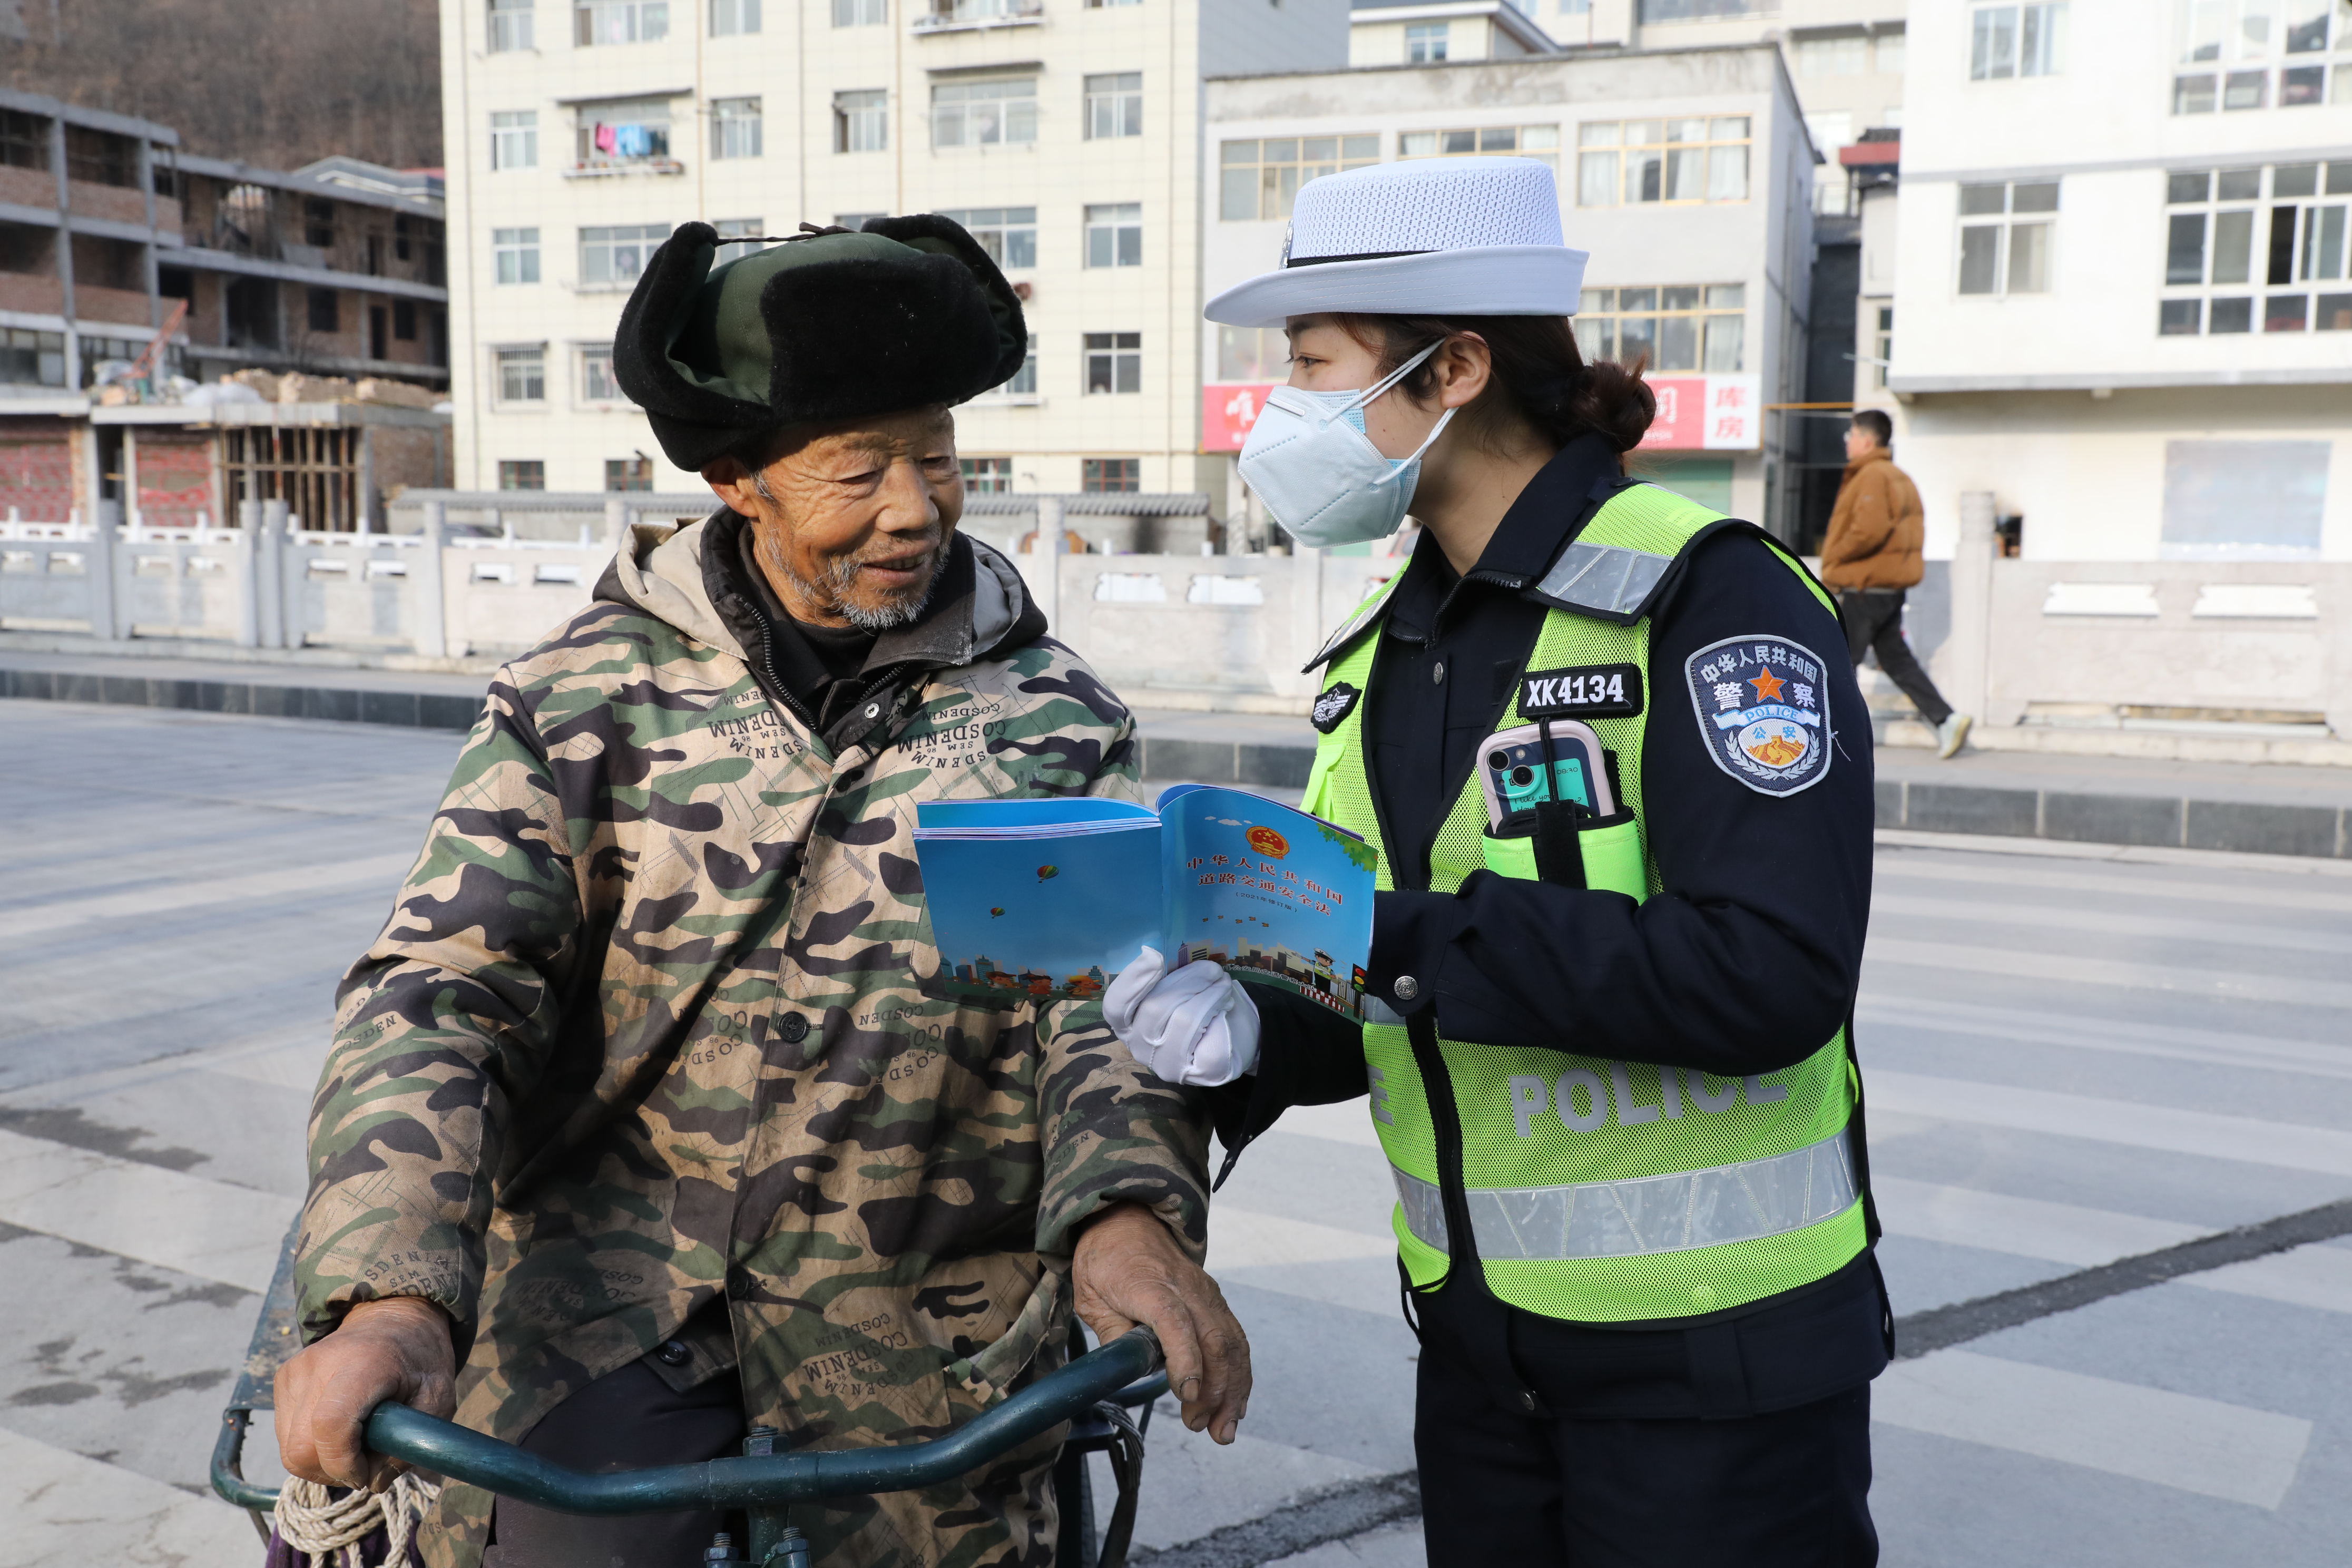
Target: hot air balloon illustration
pixel 997 913
pixel 1048 873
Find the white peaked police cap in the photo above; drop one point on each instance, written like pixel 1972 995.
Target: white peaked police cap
pixel 1434 237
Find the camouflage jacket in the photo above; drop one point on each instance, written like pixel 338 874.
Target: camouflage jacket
pixel 646 1027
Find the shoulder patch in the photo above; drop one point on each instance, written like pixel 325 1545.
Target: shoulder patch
pixel 1762 711
pixel 1583 692
pixel 1332 707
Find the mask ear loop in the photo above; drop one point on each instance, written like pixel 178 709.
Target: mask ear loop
pixel 1374 392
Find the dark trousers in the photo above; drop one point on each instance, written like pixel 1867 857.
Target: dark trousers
pixel 625 1420
pixel 1501 1485
pixel 1874 623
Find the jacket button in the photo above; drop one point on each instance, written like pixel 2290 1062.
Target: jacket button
pixel 1406 988
pixel 794 1028
pixel 673 1354
pixel 1437 673
pixel 874 710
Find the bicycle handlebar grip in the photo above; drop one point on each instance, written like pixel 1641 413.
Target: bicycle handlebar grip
pixel 769 1480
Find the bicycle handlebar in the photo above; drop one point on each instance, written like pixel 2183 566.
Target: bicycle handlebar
pixel 770 1479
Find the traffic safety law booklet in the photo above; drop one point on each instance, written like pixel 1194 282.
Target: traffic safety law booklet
pixel 1041 900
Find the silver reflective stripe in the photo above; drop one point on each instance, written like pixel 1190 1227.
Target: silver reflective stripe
pixel 1646 1215
pixel 1608 579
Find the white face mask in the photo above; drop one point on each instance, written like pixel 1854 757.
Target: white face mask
pixel 1320 476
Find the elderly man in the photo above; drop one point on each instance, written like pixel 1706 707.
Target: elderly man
pixel 640 1127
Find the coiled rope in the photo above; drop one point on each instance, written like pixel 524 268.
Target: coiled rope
pixel 328 1530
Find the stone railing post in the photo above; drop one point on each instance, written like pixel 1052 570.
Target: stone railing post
pixel 431 639
pixel 101 571
pixel 1964 664
pixel 1051 545
pixel 250 569
pixel 278 611
pixel 616 524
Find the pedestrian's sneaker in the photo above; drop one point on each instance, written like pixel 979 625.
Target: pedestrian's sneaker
pixel 1953 734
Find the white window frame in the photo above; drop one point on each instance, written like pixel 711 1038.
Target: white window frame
pixel 1120 355
pixel 995 479
pixel 2006 222
pixel 600 24
pixel 1021 386
pixel 1114 234
pixel 514 139
pixel 1259 179
pixel 613 256
pixel 1419 39
pixel 1715 315
pixel 735 128
pixel 519 375
pixel 1009 235
pixel 596 383
pixel 1611 155
pixel 521 247
pixel 734 18
pixel 966 114
pixel 2319 287
pixel 1114 105
pixel 511 27
pixel 652 114
pixel 861 12
pixel 738 238
pixel 861 119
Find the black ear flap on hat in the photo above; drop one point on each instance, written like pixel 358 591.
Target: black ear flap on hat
pixel 659 312
pixel 932 232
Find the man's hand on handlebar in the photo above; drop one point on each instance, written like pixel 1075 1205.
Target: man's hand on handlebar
pixel 1128 1270
pixel 397 1348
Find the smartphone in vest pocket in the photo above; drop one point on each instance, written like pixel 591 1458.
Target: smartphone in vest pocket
pixel 1519 770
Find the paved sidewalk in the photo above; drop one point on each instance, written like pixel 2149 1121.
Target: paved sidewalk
pixel 2258 808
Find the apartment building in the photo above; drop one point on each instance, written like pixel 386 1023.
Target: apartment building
pixel 1065 135
pixel 1438 32
pixel 2121 265
pixel 1688 173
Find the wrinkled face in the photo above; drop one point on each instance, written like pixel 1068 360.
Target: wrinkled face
pixel 851 522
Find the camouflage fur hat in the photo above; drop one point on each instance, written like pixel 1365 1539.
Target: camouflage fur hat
pixel 829 325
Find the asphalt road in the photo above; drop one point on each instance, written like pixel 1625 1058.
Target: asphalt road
pixel 2071 1061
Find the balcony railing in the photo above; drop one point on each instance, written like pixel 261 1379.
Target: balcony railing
pixel 962 13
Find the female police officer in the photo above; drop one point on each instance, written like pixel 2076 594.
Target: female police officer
pixel 1606 1046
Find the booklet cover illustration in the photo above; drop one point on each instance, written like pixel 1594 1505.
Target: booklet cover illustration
pixel 1046 900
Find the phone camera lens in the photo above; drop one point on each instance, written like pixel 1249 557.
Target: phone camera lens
pixel 1523 776
pixel 1497 761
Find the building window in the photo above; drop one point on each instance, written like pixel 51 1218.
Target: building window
pixel 1848 55
pixel 24 140
pixel 523 474
pixel 1099 5
pixel 1653 11
pixel 1115 235
pixel 510 26
pixel 2007 41
pixel 2248 499
pixel 404 320
pixel 1114 105
pixel 323 315
pixel 514 253
pixel 1636 161
pixel 739 238
pixel 733 19
pixel 1424 42
pixel 1259 180
pixel 619 21
pixel 861 120
pixel 628 473
pixel 1110 475
pixel 1253 354
pixel 623 133
pixel 988 476
pixel 2005 235
pixel 1541 142
pixel 2223 240
pixel 1882 347
pixel 985 113
pixel 522 375
pixel 1890 52
pixel 596 383
pixel 2250 54
pixel 613 256
pixel 1114 363
pixel 1009 235
pixel 1685 329
pixel 514 139
pixel 734 128
pixel 861 12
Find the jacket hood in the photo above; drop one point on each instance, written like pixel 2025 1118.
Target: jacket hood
pixel 662 571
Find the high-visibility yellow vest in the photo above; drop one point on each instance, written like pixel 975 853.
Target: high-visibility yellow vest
pixel 1596 1191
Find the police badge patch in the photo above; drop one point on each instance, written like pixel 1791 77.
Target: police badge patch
pixel 1333 706
pixel 1762 711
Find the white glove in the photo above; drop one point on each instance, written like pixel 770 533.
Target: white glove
pixel 1197 1025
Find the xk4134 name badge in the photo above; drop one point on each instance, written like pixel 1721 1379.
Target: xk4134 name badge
pixel 1586 691
pixel 1762 711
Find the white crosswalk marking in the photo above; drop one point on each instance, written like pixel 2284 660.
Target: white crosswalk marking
pixel 380 873
pixel 209 1229
pixel 2024 1228
pixel 58 1510
pixel 2015 963
pixel 2177 1440
pixel 2204 933
pixel 2086 1032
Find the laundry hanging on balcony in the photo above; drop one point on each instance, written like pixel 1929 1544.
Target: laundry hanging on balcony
pixel 604 137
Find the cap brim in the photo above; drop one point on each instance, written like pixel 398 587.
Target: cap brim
pixel 1493 281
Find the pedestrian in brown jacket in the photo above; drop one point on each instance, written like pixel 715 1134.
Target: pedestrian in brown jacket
pixel 1871 555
